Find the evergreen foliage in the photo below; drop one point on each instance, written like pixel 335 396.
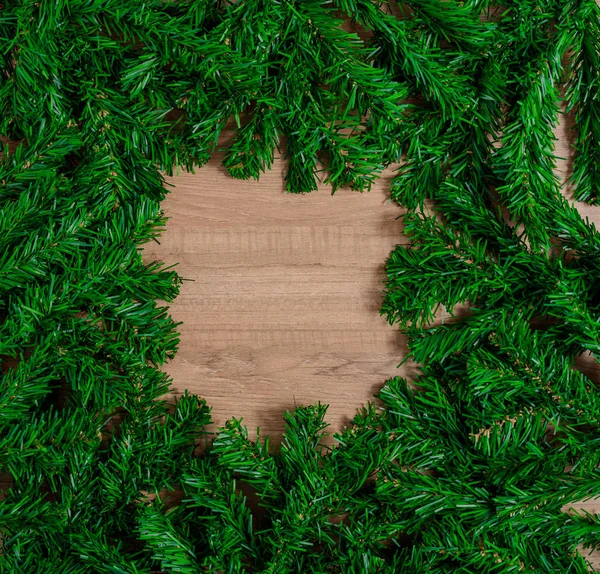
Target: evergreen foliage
pixel 466 469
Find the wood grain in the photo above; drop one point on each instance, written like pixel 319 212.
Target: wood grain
pixel 283 306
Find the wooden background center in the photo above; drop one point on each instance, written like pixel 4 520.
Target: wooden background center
pixel 283 308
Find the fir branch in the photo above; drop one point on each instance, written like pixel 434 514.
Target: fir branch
pixel 582 97
pixel 466 468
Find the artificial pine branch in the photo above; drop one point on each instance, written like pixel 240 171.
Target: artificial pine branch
pixel 582 96
pixel 465 469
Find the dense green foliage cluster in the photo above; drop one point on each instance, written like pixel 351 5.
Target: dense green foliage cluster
pixel 466 469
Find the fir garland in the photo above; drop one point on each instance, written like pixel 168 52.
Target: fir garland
pixel 467 468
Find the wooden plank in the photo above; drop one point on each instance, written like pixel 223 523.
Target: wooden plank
pixel 284 304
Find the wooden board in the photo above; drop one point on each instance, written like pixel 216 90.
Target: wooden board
pixel 283 306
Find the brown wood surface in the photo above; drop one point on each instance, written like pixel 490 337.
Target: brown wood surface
pixel 283 306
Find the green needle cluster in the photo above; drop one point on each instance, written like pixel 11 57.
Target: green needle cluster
pixel 466 469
